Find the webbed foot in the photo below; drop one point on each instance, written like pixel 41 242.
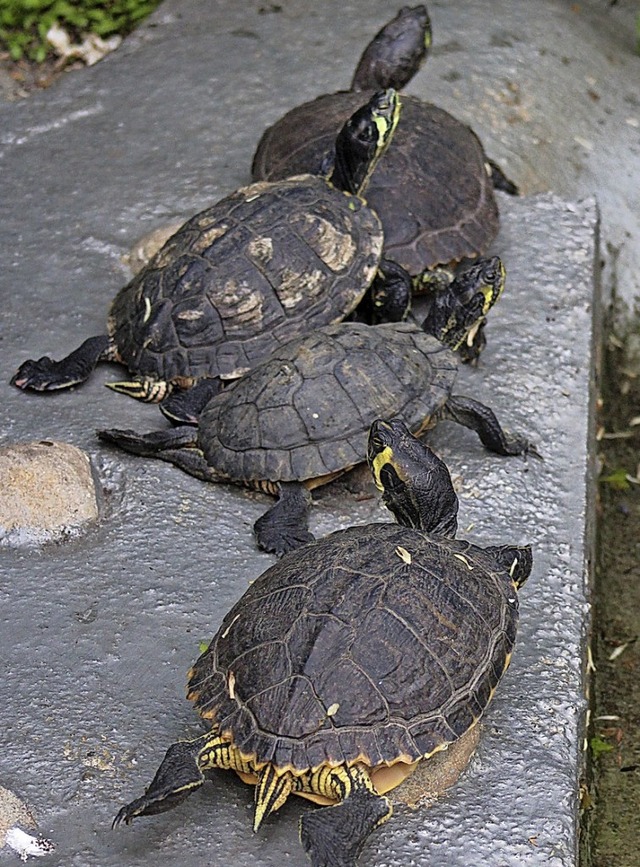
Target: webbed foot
pixel 45 374
pixel 335 836
pixel 176 778
pixel 184 405
pixel 283 527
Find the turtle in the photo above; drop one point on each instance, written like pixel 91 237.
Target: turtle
pixel 301 417
pixel 352 659
pixel 263 264
pixel 434 191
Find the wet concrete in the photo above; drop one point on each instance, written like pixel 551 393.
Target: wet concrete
pixel 98 632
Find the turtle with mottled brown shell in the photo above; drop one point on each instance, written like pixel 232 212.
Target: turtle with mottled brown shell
pixel 353 659
pixel 235 281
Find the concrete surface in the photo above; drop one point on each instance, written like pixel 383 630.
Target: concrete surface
pixel 551 86
pixel 97 633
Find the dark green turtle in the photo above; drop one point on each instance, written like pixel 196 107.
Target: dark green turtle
pixel 266 263
pixel 301 417
pixel 434 191
pixel 352 659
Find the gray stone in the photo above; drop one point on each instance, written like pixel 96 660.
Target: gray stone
pixel 48 491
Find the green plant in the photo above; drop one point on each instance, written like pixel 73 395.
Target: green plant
pixel 599 746
pixel 24 23
pixel 618 479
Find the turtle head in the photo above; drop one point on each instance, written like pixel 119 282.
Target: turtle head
pixel 396 52
pixel 363 140
pixel 457 311
pixel 415 483
pixel 389 296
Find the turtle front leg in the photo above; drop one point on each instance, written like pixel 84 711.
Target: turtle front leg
pixel 478 417
pixel 45 374
pixel 184 405
pixel 284 527
pixel 335 836
pixel 388 299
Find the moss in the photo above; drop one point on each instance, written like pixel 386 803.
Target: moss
pixel 24 23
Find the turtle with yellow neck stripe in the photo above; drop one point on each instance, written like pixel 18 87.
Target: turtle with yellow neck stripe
pixel 353 659
pixel 301 417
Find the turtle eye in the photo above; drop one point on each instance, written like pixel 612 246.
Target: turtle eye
pixel 491 274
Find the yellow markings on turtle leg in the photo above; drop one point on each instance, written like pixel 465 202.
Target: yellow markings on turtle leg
pixel 471 333
pixel 271 792
pixel 464 560
pixel 147 390
pixel 506 666
pixel 220 753
pixel 333 709
pixel 513 567
pixel 333 783
pixel 404 555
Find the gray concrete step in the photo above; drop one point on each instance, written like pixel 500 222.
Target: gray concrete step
pixel 98 632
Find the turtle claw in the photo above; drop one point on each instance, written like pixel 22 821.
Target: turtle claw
pixel 125 814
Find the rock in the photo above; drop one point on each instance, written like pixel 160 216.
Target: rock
pixel 149 244
pixel 48 491
pixel 13 813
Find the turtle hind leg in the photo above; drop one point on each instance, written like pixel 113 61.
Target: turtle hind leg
pixel 284 527
pixel 335 836
pixel 149 445
pixel 175 446
pixel 177 777
pixel 181 772
pixel 45 374
pixel 476 416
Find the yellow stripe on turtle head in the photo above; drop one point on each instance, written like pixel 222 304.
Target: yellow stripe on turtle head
pixel 386 123
pixel 380 460
pixel 385 458
pixel 492 293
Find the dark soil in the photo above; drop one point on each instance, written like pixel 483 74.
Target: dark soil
pixel 19 79
pixel 613 802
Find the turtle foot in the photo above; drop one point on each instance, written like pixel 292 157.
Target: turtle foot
pixel 280 541
pixel 283 527
pixel 41 375
pixel 45 374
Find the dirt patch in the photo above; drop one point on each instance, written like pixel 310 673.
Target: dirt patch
pixel 614 741
pixel 20 78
